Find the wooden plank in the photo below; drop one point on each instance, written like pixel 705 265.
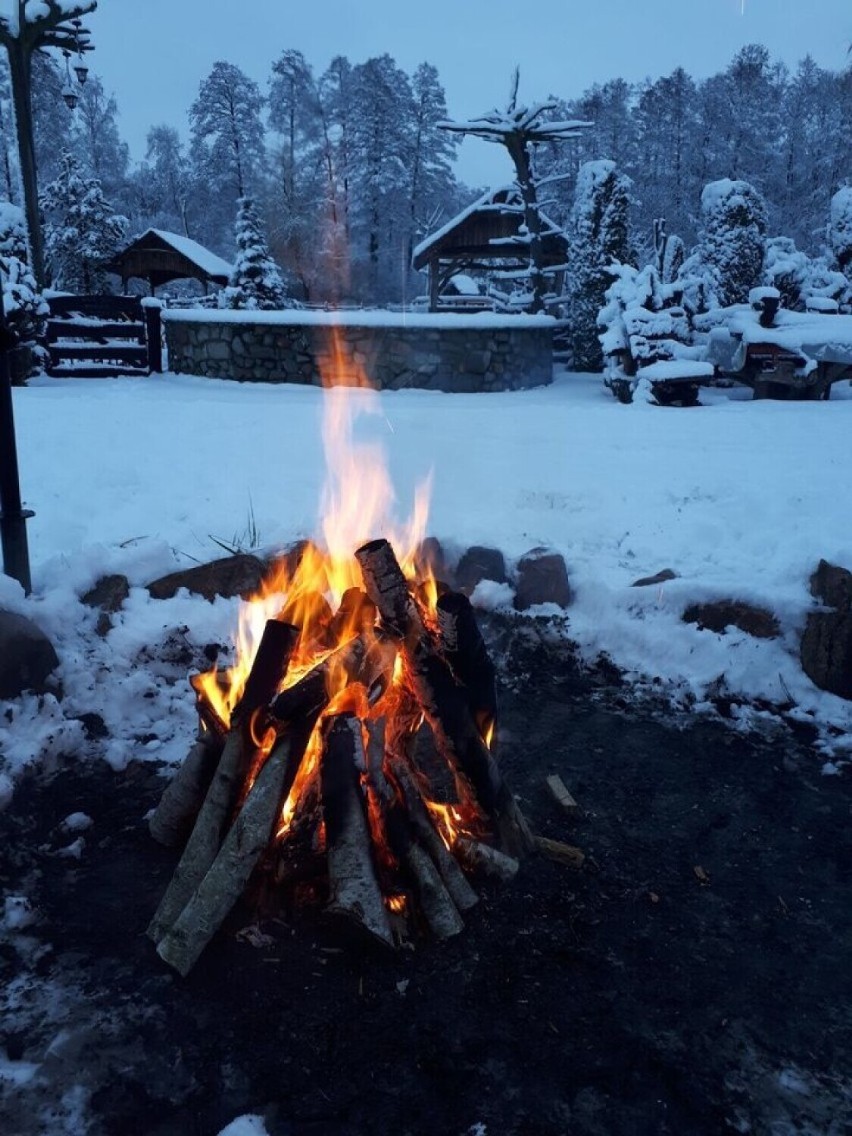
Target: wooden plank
pixel 123 353
pixel 94 329
pixel 566 854
pixel 559 792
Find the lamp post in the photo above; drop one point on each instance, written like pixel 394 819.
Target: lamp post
pixel 13 518
pixel 35 26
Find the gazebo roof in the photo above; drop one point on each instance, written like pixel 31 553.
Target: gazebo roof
pixel 490 229
pixel 159 256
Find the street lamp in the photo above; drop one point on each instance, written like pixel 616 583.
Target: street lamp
pixel 34 27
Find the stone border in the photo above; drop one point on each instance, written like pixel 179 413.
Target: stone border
pixel 456 355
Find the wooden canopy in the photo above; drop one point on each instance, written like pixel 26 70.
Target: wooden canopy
pixel 159 257
pixel 486 231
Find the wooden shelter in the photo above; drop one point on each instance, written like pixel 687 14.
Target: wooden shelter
pixel 486 234
pixel 159 257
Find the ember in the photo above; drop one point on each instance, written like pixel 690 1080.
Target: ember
pixel 346 757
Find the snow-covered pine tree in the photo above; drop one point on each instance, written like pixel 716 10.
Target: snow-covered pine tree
pixel 25 309
pixel 82 231
pixel 521 129
pixel 598 234
pixel 256 280
pixel 728 259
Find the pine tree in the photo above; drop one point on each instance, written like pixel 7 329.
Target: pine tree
pixel 82 231
pixel 841 229
pixel 599 237
pixel 732 242
pixel 256 280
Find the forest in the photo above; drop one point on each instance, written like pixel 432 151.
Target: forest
pixel 350 168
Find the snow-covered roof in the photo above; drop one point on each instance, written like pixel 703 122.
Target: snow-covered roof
pixel 502 201
pixel 208 261
pixel 144 255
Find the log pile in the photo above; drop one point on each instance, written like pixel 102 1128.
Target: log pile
pixel 365 780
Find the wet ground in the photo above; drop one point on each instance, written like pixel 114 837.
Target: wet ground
pixel 693 978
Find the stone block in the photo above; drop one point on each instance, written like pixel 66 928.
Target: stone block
pixel 480 563
pixel 720 614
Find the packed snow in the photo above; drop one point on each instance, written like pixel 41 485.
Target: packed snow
pixel 739 498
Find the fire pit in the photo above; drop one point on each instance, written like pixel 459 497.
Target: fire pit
pixel 346 759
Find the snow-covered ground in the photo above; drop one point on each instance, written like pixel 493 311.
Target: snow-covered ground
pixel 739 498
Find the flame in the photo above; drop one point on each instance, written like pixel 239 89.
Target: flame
pixel 449 821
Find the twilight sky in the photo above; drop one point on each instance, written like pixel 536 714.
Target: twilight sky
pixel 153 54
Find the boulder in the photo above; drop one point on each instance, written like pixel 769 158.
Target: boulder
pixel 720 614
pixel 27 656
pixel 239 575
pixel 430 556
pixel 542 578
pixel 480 563
pixel 826 647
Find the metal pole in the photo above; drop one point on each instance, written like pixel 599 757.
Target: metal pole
pixel 13 518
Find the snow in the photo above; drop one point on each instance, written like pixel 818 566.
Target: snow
pixel 816 335
pixel 671 369
pixel 360 318
pixel 734 496
pixel 206 260
pixel 248 1125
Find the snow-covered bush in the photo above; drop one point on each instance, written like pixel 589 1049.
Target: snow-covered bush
pixel 802 280
pixel 24 306
pixel 598 233
pixel 642 320
pixel 840 229
pixel 82 232
pixel 256 280
pixel 727 261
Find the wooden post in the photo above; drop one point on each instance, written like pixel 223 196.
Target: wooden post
pixel 153 336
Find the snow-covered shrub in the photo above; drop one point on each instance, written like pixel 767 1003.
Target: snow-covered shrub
pixel 642 321
pixel 840 228
pixel 256 280
pixel 802 280
pixel 598 233
pixel 82 232
pixel 727 262
pixel 24 306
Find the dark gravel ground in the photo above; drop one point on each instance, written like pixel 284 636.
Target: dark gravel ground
pixel 629 997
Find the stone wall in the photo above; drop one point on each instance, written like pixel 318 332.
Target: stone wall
pixel 456 354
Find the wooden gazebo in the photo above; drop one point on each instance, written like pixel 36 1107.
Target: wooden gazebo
pixel 160 257
pixel 486 233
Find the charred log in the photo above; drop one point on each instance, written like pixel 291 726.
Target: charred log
pixel 488 861
pixel 206 837
pixel 441 698
pixel 172 820
pixel 464 649
pixel 241 849
pixel 355 896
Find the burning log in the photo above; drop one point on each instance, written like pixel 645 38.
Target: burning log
pixel 460 891
pixel 355 895
pixel 442 699
pixel 268 670
pixel 464 649
pixel 172 819
pixel 435 901
pixel 241 849
pixel 366 659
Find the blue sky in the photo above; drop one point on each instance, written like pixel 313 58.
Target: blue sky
pixel 153 54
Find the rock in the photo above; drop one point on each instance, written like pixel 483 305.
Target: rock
pixel 832 585
pixel 826 647
pixel 27 656
pixel 480 563
pixel 542 578
pixel 826 651
pixel 238 575
pixel 109 593
pixel 430 556
pixel 659 578
pixel 719 614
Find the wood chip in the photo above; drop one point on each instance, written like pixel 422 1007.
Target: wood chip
pixel 701 875
pixel 559 792
pixel 559 853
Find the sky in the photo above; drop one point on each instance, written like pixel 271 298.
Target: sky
pixel 153 54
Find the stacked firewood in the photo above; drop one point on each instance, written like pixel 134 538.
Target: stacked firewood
pixel 366 823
